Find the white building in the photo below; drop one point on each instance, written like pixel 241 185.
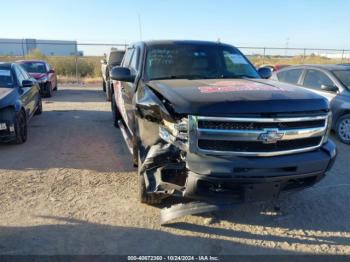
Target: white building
pixel 21 47
pixel 336 56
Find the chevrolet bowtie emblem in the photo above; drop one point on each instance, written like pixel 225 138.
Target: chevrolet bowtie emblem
pixel 271 136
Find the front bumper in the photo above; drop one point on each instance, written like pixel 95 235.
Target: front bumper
pixel 256 179
pixel 248 179
pixel 7 134
pixel 44 87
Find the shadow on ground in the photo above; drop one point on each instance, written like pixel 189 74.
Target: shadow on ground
pixel 77 95
pixel 81 237
pixel 78 136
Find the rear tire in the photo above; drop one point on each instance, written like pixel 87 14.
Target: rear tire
pixel 343 129
pixel 144 196
pixel 115 112
pixel 21 130
pixel 103 85
pixel 39 109
pixel 108 91
pixel 49 89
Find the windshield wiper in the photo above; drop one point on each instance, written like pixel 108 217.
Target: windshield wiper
pixel 189 77
pixel 236 76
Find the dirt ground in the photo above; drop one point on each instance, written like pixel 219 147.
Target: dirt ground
pixel 71 189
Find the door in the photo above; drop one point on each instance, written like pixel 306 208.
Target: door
pixel 29 95
pixel 315 79
pixel 129 89
pixel 122 91
pixel 24 91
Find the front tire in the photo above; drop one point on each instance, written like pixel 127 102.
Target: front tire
pixel 144 196
pixel 343 129
pixel 21 130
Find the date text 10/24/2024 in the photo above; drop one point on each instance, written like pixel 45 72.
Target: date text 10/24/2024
pixel 173 258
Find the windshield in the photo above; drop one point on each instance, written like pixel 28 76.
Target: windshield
pixel 191 61
pixel 115 58
pixel 344 77
pixel 34 67
pixel 6 79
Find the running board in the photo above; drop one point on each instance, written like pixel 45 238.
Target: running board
pixel 126 136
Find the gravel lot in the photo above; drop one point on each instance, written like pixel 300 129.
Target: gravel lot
pixel 71 189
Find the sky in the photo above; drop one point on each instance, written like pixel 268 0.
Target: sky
pixel 272 23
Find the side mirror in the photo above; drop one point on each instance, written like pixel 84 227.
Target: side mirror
pixel 122 74
pixel 103 61
pixel 27 83
pixel 51 71
pixel 329 88
pixel 265 72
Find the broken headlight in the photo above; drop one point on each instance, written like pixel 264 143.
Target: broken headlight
pixel 174 132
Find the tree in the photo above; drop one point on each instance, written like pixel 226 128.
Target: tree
pixel 35 54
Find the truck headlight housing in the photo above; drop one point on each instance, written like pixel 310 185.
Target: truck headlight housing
pixel 329 127
pixel 175 132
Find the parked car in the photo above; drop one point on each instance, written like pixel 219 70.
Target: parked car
pixel 274 68
pixel 43 73
pixel 202 123
pixel 330 81
pixel 114 58
pixel 279 67
pixel 19 100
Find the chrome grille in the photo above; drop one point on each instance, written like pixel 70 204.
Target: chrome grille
pixel 256 136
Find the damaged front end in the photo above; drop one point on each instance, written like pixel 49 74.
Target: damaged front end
pixel 162 144
pixel 226 160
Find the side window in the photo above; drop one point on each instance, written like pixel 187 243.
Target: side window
pixel 290 76
pixel 127 57
pixel 315 79
pixel 19 75
pixel 6 77
pixel 134 62
pixel 48 68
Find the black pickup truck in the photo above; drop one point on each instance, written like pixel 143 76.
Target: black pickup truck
pixel 113 58
pixel 203 124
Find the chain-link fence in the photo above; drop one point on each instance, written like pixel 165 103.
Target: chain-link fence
pixel 72 61
pixel 292 56
pixel 81 62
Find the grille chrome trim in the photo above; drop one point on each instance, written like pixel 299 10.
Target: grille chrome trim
pixel 196 134
pixel 267 120
pixel 253 135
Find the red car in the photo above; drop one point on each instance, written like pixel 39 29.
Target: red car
pixel 43 73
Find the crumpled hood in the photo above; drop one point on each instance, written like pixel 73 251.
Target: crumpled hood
pixel 37 75
pixel 7 96
pixel 236 96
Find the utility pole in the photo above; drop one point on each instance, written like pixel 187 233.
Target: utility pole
pixel 287 46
